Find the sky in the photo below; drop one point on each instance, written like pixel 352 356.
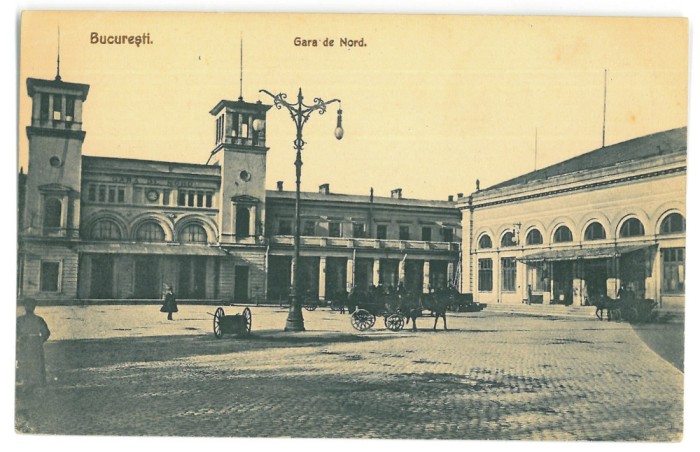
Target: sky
pixel 430 103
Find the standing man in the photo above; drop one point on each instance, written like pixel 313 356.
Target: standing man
pixel 32 332
pixel 169 302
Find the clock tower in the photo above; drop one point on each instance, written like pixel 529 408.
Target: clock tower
pixel 240 151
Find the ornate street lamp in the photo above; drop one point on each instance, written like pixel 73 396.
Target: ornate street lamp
pixel 300 113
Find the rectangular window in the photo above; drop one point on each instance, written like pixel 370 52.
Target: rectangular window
pixel 112 194
pixel 485 275
pixel 508 274
pixel 208 200
pixel 181 195
pixel 166 197
pixel 358 230
pixel 190 199
pixel 57 107
pixel 70 108
pixel 120 196
pixel 284 227
pixel 381 231
pixel 426 233
pixel 44 109
pixel 92 192
pixel 50 276
pixel 448 234
pixel 200 199
pixel 673 270
pixel 103 193
pixel 334 229
pixel 309 229
pixel 404 233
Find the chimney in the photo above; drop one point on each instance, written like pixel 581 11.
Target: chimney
pixel 460 195
pixel 324 188
pixel 396 193
pixel 280 185
pixel 450 198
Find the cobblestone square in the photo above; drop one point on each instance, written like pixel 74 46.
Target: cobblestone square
pixel 126 370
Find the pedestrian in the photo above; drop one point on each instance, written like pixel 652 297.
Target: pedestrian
pixel 169 302
pixel 32 332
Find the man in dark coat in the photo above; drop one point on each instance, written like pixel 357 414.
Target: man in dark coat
pixel 169 302
pixel 32 332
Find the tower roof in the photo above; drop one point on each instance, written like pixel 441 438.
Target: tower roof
pixel 36 84
pixel 240 105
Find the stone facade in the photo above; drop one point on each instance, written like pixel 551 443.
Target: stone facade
pixel 584 228
pixel 114 228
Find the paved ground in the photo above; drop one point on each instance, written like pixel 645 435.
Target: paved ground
pixel 125 370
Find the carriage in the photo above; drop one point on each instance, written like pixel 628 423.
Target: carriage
pixel 397 307
pixel 237 324
pixel 628 309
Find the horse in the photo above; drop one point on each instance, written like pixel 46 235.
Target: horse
pixel 437 305
pixel 606 303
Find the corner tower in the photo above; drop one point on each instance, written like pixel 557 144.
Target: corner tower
pixel 52 203
pixel 241 153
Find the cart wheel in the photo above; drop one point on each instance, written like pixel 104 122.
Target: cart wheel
pixel 310 307
pixel 631 315
pixel 394 322
pixel 362 320
pixel 336 305
pixel 248 320
pixel 218 317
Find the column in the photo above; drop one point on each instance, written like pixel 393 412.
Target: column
pixel 251 222
pixel 402 272
pixel 450 273
pixel 426 276
pixel 233 221
pixel 375 272
pixel 350 274
pixel 322 278
pixel 613 282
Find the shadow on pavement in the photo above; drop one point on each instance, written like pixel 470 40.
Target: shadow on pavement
pixel 84 353
pixel 665 339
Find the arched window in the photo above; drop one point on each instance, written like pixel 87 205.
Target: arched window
pixel 52 213
pixel 563 234
pixel 508 239
pixel 534 237
pixel 594 231
pixel 193 233
pixel 242 221
pixel 632 228
pixel 485 242
pixel 150 232
pixel 672 224
pixel 106 230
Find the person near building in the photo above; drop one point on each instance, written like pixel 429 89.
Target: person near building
pixel 32 332
pixel 169 302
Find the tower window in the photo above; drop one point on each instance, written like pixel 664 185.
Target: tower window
pixel 208 199
pixel 44 109
pixel 166 197
pixel 200 199
pixel 381 231
pixel 70 108
pixel 190 199
pixel 52 213
pixel 181 195
pixel 404 233
pixel 57 104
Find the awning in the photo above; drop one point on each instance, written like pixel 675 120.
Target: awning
pixel 150 248
pixel 571 254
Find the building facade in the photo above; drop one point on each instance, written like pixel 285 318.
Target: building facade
pixel 114 228
pixel 583 228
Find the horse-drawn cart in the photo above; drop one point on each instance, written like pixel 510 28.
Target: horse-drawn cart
pixel 628 309
pixel 237 324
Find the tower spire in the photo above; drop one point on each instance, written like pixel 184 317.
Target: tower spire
pixel 605 102
pixel 240 95
pixel 58 56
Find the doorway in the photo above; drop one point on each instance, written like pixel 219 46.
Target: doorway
pixel 563 278
pixel 101 276
pixel 595 273
pixel 240 288
pixel 147 277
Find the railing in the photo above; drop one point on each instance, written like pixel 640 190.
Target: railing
pixel 364 243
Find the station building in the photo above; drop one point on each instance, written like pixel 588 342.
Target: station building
pixel 123 229
pixel 582 228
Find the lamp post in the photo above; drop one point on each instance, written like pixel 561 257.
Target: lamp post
pixel 300 113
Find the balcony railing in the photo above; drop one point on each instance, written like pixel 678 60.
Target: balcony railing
pixel 364 243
